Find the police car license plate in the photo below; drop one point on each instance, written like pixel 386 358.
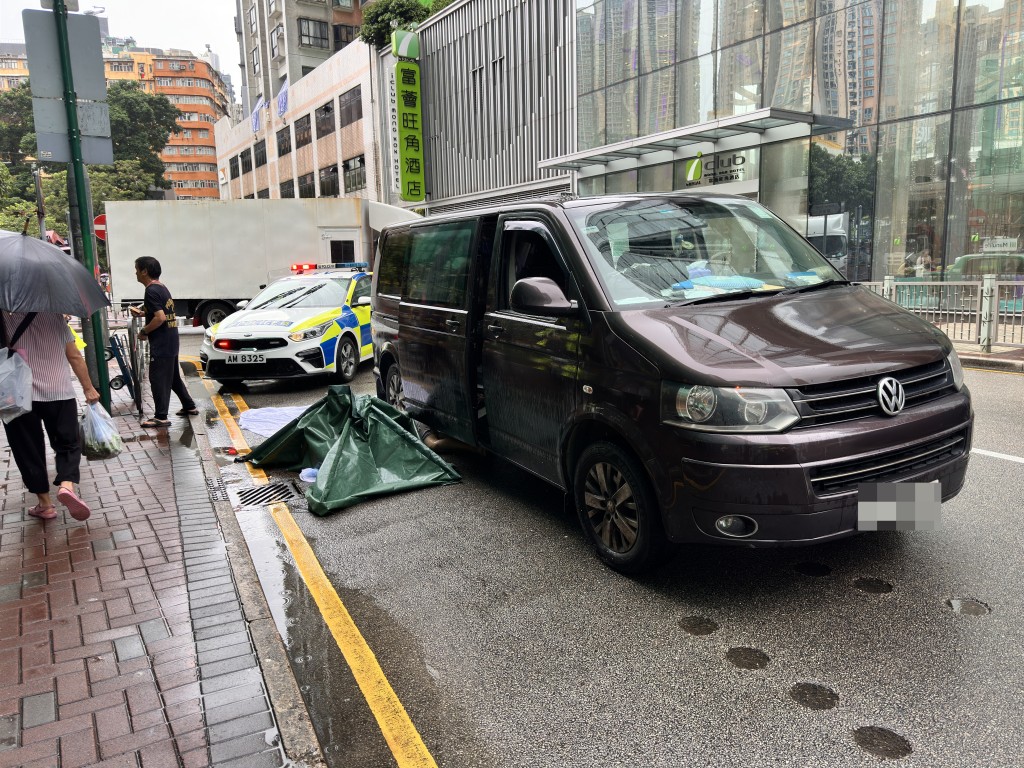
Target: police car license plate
pixel 247 357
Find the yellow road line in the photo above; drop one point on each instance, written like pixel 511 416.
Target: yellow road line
pixel 401 735
pixel 395 724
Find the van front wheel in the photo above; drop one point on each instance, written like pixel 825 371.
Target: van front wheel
pixel 617 509
pixel 393 387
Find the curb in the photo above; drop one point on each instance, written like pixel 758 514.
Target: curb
pixel 300 741
pixel 992 363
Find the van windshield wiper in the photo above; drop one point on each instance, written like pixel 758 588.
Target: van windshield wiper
pixel 815 286
pixel 720 297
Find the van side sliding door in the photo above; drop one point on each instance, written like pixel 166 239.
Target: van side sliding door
pixel 434 323
pixel 529 363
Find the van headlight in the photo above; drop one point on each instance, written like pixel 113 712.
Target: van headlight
pixel 727 409
pixel 311 333
pixel 956 369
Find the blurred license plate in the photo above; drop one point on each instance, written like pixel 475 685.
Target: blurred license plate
pixel 246 357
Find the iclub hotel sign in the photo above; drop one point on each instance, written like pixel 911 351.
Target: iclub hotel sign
pixel 406 119
pixel 720 168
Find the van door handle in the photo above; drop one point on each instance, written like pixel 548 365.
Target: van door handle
pixel 497 330
pixel 453 325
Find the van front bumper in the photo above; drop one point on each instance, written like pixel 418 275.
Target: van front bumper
pixel 811 494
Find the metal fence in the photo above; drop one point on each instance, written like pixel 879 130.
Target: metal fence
pixel 989 313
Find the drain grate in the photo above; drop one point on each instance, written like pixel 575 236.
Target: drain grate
pixel 217 490
pixel 268 494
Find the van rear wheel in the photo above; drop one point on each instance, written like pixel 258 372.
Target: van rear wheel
pixel 617 509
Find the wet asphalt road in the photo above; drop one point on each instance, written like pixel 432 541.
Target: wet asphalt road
pixel 509 644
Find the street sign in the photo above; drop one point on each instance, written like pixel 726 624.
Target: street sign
pixel 71 5
pixel 99 226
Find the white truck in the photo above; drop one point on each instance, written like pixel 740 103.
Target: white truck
pixel 830 235
pixel 215 253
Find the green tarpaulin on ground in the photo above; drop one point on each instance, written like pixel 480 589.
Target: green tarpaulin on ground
pixel 362 446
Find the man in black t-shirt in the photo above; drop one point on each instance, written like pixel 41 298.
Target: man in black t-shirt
pixel 161 330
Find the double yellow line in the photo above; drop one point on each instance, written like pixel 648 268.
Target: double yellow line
pixel 401 735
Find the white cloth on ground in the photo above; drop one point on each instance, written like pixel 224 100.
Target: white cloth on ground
pixel 267 421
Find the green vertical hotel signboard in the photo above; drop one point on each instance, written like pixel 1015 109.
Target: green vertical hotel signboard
pixel 410 131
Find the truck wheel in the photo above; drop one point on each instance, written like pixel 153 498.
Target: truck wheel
pixel 346 360
pixel 617 509
pixel 214 312
pixel 393 390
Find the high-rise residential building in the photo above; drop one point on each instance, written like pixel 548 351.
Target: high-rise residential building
pixel 13 65
pixel 200 93
pixel 282 41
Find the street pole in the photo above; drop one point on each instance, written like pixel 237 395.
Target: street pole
pixel 40 211
pixel 93 352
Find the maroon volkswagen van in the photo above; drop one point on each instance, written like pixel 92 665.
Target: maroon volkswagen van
pixel 685 365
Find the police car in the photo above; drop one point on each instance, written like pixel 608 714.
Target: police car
pixel 315 321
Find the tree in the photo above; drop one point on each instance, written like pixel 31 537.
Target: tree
pixel 140 124
pixel 842 179
pixel 439 5
pixel 15 121
pixel 378 18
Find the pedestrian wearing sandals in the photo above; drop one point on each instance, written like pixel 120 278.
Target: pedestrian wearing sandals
pixel 48 346
pixel 161 330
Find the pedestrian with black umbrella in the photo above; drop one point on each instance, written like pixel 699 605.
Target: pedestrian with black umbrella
pixel 38 284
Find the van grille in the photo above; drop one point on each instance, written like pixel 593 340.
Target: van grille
pixel 858 398
pixel 887 467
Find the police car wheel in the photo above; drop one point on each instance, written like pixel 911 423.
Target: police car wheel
pixel 347 360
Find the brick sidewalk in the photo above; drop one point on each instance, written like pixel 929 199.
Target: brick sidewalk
pixel 122 640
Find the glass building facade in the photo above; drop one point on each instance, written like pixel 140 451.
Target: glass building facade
pixel 904 116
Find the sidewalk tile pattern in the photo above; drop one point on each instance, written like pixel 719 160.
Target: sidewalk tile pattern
pixel 122 638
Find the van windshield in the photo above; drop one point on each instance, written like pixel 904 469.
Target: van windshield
pixel 687 249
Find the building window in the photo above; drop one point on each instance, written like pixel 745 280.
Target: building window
pixel 303 135
pixel 343 35
pixel 350 106
pixel 271 7
pixel 252 20
pixel 254 57
pixel 246 156
pixel 284 141
pixel 325 120
pixel 260 153
pixel 263 194
pixel 234 167
pixel 288 189
pixel 355 173
pixel 307 187
pixel 275 41
pixel 329 181
pixel 313 33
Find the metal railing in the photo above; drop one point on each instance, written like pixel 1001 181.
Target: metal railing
pixel 989 313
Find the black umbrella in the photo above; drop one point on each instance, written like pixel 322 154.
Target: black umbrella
pixel 38 277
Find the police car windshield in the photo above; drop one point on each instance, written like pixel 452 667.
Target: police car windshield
pixel 685 250
pixel 302 294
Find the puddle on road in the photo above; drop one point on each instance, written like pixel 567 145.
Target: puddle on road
pixel 872 585
pixel 747 658
pixel 812 569
pixel 698 625
pixel 814 696
pixel 968 607
pixel 881 742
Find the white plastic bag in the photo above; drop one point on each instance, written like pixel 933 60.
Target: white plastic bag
pixel 15 386
pixel 100 439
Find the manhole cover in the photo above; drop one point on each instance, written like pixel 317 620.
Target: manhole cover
pixel 261 495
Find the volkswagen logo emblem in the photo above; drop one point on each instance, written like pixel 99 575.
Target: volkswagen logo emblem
pixel 891 396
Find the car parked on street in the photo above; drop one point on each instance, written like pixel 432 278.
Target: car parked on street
pixel 741 393
pixel 306 324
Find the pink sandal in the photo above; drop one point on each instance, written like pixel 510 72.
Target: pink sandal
pixel 78 508
pixel 43 513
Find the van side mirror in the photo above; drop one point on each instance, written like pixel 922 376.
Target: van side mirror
pixel 241 304
pixel 541 296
